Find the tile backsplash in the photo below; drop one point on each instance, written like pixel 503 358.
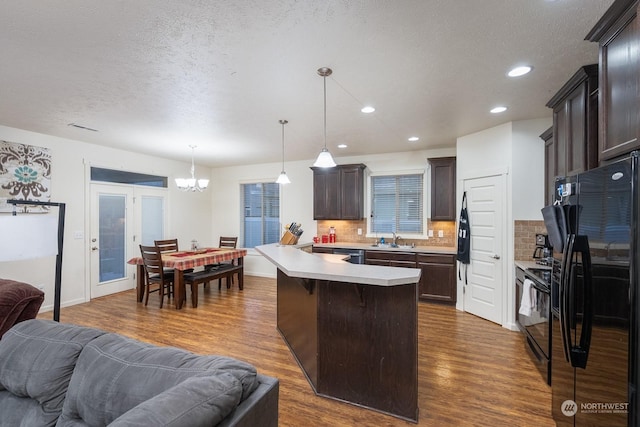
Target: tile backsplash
pixel 524 238
pixel 347 231
pixel 524 234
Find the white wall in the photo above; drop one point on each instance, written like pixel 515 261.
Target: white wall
pixel 528 169
pixel 189 214
pixel 516 151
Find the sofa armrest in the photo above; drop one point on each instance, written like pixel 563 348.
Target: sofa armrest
pixel 18 302
pixel 260 408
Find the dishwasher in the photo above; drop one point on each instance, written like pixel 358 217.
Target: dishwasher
pixel 356 256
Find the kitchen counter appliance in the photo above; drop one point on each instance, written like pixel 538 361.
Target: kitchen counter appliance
pixel 595 331
pixel 543 253
pixel 356 256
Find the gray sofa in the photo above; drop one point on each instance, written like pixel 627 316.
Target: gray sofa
pixel 68 375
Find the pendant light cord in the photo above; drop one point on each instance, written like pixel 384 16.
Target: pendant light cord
pixel 324 78
pixel 283 123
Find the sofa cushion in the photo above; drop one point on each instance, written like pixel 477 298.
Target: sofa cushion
pixel 37 358
pixel 115 374
pixel 18 302
pixel 197 401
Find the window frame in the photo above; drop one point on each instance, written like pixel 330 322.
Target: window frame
pixel 241 189
pixel 425 207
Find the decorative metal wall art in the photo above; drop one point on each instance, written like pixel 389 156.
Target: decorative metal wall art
pixel 25 174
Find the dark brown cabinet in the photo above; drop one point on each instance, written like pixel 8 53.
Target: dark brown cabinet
pixel 618 35
pixel 438 278
pixel 338 193
pixel 549 166
pixel 321 250
pixel 575 124
pixel 443 189
pixel 392 259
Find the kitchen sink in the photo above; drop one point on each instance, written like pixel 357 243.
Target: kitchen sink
pixel 392 246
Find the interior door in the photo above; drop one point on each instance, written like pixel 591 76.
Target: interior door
pixel 483 288
pixel 122 217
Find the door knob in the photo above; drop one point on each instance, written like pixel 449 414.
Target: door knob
pixel 95 248
pixel 495 256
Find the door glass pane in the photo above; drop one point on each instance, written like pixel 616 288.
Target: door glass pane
pixel 152 219
pixel 112 236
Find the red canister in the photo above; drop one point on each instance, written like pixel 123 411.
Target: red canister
pixel 332 238
pixel 325 238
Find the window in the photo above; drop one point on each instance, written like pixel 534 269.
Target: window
pixel 260 213
pixel 396 204
pixel 123 177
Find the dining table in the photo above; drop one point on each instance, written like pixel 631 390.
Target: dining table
pixel 180 261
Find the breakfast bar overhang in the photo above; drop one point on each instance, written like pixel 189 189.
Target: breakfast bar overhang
pixel 351 327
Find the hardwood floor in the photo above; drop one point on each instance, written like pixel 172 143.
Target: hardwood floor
pixel 471 372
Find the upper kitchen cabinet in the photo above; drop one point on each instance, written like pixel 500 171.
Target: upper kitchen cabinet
pixel 618 34
pixel 338 193
pixel 443 189
pixel 549 165
pixel 575 123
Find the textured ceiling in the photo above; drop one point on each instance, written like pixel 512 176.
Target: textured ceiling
pixel 156 76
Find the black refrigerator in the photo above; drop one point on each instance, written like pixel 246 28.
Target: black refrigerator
pixel 594 356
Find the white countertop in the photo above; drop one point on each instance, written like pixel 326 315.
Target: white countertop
pixel 526 265
pixel 386 247
pixel 296 263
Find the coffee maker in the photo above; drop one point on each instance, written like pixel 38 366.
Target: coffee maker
pixel 543 253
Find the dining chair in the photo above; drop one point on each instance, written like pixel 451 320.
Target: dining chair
pixel 227 242
pixel 155 273
pixel 166 246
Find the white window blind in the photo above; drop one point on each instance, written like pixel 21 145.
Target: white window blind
pixel 260 214
pixel 397 204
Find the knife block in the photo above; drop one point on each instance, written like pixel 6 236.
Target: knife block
pixel 289 239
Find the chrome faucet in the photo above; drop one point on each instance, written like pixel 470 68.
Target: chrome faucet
pixel 395 239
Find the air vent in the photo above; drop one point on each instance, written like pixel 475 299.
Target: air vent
pixel 82 127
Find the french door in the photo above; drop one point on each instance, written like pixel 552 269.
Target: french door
pixel 122 217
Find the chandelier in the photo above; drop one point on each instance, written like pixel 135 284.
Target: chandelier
pixel 191 184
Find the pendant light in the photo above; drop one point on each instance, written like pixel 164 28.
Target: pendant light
pixel 324 159
pixel 191 184
pixel 283 178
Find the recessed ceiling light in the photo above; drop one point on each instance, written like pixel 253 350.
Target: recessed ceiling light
pixel 497 110
pixel 342 146
pixel 368 109
pixel 519 71
pixel 413 139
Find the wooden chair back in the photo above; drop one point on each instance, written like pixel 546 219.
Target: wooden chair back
pixel 152 258
pixel 167 245
pixel 228 242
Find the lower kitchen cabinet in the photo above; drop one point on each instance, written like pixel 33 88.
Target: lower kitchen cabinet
pixel 438 278
pixel 392 259
pixel 319 250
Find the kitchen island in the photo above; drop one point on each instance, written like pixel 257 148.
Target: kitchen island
pixel 352 328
